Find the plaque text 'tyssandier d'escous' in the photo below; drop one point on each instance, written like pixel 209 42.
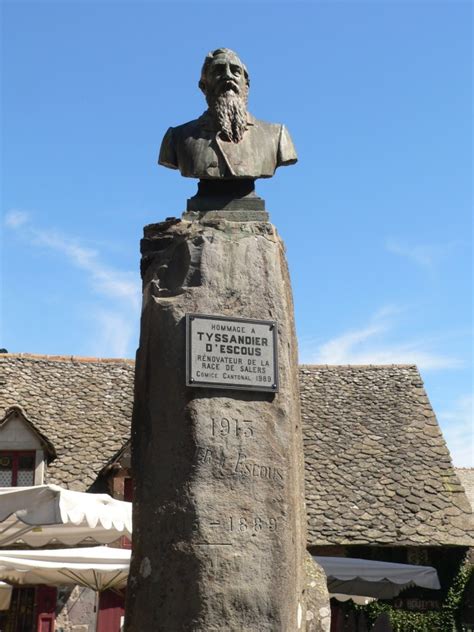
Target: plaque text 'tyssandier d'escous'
pixel 223 352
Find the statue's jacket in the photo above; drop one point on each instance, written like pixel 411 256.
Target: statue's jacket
pixel 197 150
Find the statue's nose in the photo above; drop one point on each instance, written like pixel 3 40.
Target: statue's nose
pixel 227 71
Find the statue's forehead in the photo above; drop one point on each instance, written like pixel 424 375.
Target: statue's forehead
pixel 227 57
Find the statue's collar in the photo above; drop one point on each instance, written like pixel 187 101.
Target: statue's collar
pixel 207 122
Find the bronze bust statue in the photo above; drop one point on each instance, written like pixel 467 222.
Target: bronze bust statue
pixel 226 142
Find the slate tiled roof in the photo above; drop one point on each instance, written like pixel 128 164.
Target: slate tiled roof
pixel 377 466
pixel 82 405
pixel 17 411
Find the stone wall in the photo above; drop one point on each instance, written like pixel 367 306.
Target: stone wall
pixel 219 522
pixel 75 611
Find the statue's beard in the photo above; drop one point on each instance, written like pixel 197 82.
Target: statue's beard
pixel 229 111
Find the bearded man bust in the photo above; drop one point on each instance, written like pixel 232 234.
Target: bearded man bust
pixel 226 142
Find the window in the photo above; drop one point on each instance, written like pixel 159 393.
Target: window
pixel 17 469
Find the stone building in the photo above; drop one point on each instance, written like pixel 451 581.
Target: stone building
pixel 74 416
pixel 379 479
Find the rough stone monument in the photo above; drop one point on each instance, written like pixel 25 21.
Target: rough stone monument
pixel 219 518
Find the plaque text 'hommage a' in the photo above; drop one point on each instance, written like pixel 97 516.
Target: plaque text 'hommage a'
pixel 227 352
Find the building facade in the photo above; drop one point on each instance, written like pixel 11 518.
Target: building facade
pixel 380 483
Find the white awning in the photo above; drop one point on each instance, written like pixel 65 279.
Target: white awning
pixel 358 599
pixel 382 580
pixel 47 513
pixel 99 567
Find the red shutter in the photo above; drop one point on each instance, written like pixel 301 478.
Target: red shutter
pixel 45 608
pixel 128 489
pixel 111 610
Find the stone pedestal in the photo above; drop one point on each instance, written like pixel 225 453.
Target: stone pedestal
pixel 219 520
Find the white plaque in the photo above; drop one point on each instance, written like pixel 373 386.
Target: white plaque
pixel 224 352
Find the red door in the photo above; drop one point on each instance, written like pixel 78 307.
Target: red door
pixel 45 608
pixel 111 610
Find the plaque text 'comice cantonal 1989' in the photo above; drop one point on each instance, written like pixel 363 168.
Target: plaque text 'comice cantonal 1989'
pixel 223 352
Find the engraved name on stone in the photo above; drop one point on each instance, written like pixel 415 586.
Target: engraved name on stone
pixel 238 353
pixel 239 465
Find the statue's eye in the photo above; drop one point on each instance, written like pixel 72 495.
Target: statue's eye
pixel 237 70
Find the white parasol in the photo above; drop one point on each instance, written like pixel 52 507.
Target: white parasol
pixel 47 513
pixel 99 567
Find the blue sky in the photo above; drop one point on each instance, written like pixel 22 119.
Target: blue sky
pixel 376 215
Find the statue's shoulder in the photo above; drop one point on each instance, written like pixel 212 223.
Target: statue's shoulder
pixel 188 129
pixel 264 126
pixel 176 141
pixel 275 135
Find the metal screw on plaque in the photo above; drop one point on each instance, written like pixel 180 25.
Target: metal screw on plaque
pixel 191 379
pixel 274 385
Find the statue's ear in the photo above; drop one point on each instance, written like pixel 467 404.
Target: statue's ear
pixel 202 85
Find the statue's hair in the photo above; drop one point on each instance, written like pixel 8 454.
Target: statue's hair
pixel 209 58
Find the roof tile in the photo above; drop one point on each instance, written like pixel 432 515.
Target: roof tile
pixel 377 466
pixel 389 449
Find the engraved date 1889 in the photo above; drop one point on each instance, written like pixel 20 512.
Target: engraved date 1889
pixel 248 524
